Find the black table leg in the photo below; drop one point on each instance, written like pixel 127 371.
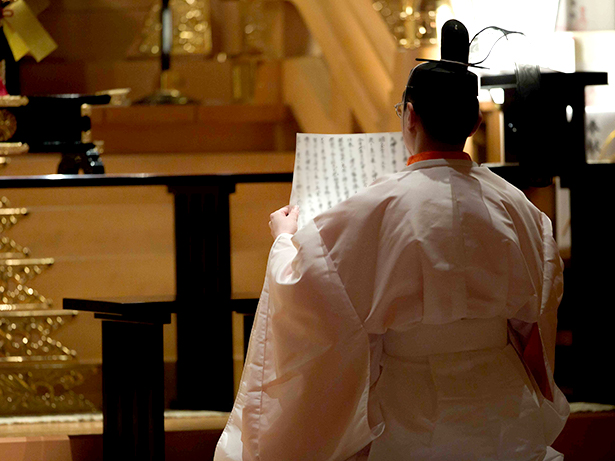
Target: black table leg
pixel 133 391
pixel 204 323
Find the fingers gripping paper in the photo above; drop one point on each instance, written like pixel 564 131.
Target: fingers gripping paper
pixel 331 168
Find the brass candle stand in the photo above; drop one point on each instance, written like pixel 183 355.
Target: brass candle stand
pixel 178 27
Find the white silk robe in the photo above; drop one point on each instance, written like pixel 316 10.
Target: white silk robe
pixel 414 321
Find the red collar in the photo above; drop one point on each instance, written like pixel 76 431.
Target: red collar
pixel 432 155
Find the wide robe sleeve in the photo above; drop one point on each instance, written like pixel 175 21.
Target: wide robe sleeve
pixel 306 383
pixel 535 336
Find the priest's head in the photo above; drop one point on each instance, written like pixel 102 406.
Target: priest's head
pixel 439 107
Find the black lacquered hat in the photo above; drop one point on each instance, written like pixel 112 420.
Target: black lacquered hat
pixel 450 74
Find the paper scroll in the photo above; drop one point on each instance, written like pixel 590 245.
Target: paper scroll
pixel 331 168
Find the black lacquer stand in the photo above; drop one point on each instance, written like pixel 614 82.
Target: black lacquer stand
pixel 203 272
pixel 133 374
pixel 554 145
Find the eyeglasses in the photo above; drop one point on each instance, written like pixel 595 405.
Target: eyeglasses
pixel 399 107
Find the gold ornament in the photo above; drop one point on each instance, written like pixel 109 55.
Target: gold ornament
pixel 8 125
pixel 43 389
pixel 412 22
pixel 191 28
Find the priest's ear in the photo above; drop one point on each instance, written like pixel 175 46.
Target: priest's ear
pixel 479 120
pixel 410 116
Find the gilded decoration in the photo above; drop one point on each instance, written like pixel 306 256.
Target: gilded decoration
pixel 26 336
pixel 21 297
pixel 13 101
pixel 9 248
pixel 23 270
pixel 256 45
pixel 43 389
pixel 14 275
pixel 38 374
pixel 13 148
pixel 413 22
pixel 11 216
pixel 191 28
pixel 8 125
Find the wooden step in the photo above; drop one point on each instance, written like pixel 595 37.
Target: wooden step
pixel 186 439
pixel 194 128
pixel 586 437
pixel 119 241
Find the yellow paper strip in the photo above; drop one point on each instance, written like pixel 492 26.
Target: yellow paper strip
pixel 24 23
pixel 37 6
pixel 16 44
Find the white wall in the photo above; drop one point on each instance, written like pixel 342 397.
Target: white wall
pixel 586 15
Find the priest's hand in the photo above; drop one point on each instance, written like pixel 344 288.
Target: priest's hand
pixel 284 221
